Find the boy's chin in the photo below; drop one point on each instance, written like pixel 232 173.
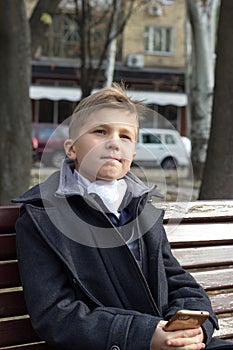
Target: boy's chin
pixel 110 176
pixel 104 173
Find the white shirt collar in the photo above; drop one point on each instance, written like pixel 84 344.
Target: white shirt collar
pixel 111 192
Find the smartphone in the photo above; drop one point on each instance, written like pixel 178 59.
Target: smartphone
pixel 186 319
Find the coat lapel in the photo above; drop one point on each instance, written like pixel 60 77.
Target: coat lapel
pixel 128 280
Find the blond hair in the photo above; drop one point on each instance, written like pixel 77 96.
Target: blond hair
pixel 113 97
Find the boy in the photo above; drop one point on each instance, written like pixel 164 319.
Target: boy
pixel 95 262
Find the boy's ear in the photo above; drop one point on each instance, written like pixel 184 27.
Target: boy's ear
pixel 70 149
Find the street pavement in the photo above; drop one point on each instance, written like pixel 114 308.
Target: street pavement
pixel 173 185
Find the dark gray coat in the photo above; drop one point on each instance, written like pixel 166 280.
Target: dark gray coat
pixel 83 286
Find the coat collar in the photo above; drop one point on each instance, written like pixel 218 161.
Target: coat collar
pixel 64 184
pixel 68 184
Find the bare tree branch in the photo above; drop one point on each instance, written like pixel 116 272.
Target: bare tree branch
pixel 38 28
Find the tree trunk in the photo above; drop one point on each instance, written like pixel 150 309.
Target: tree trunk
pixel 114 16
pixel 200 78
pixel 218 173
pixel 15 116
pixel 110 62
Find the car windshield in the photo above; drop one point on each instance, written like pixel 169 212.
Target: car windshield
pixel 45 132
pixel 62 131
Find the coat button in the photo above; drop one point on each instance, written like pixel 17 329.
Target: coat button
pixel 115 347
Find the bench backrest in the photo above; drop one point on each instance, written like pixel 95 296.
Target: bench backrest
pixel 15 325
pixel 203 244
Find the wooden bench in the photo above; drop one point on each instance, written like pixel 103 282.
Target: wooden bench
pixel 203 243
pixel 15 327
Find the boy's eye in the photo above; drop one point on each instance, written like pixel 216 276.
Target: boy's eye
pixel 100 131
pixel 126 137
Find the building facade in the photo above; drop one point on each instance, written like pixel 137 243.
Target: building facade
pixel 150 60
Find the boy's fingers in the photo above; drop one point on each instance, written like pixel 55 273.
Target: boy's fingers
pixel 190 339
pixel 194 343
pixel 189 333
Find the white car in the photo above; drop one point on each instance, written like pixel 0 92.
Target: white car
pixel 161 147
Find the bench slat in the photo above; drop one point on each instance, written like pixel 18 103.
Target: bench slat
pixel 31 346
pixel 12 303
pixel 7 246
pixel 226 328
pixel 204 256
pixel 8 216
pixel 200 234
pixel 17 332
pixel 9 275
pixel 215 279
pixel 199 211
pixel 222 303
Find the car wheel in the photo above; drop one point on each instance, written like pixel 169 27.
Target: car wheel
pixel 56 159
pixel 169 164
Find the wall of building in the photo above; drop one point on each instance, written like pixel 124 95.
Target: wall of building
pixel 133 37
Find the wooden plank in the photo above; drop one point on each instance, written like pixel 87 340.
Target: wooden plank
pixel 222 303
pixel 204 256
pixel 215 279
pixel 17 332
pixel 8 216
pixel 9 275
pixel 200 234
pixel 7 246
pixel 198 211
pixel 12 303
pixel 226 328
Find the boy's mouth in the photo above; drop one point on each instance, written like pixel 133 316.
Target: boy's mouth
pixel 112 158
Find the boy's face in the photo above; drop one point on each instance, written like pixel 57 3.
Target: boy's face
pixel 105 144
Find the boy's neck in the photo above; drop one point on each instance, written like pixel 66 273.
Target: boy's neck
pixel 85 181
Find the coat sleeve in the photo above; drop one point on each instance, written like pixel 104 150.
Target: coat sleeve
pixel 61 313
pixel 183 291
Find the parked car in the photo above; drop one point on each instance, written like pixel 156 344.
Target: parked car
pixel 188 144
pixel 161 147
pixel 47 143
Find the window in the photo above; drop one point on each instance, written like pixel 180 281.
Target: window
pixel 62 38
pixel 170 114
pixel 65 109
pixel 150 138
pixel 45 112
pixel 158 40
pixel 168 2
pixel 154 8
pixel 45 132
pixel 169 140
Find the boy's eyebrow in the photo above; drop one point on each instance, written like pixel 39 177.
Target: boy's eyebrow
pixel 123 127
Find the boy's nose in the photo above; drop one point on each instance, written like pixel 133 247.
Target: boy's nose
pixel 113 143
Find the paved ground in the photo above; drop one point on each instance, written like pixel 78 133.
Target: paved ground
pixel 173 185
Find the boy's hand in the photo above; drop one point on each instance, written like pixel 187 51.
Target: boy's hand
pixel 189 339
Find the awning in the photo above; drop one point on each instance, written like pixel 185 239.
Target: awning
pixel 56 93
pixel 160 98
